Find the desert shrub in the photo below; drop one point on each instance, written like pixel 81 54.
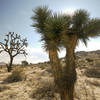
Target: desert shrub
pixel 89 60
pixel 43 92
pixel 92 73
pixel 97 63
pixel 42 66
pixel 49 70
pixel 24 63
pixel 17 74
pixel 2 88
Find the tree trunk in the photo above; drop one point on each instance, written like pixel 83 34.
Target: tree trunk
pixel 67 94
pixel 69 74
pixel 9 67
pixel 56 67
pixel 65 79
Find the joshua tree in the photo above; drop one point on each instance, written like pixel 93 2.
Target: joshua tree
pixel 49 30
pixel 81 28
pixel 64 30
pixel 13 45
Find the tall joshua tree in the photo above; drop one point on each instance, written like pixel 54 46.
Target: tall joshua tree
pixel 49 34
pixel 50 28
pixel 81 28
pixel 13 45
pixel 54 25
pixel 64 30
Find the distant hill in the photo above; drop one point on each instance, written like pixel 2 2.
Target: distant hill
pixel 84 53
pixel 2 63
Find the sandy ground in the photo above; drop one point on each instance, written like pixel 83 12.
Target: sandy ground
pixel 39 83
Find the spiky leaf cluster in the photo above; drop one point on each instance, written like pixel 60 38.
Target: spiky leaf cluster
pixel 57 29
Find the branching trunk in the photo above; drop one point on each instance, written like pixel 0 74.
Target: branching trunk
pixel 69 74
pixel 65 79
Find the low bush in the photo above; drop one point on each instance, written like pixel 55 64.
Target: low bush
pixel 89 60
pixel 24 63
pixel 92 73
pixel 44 93
pixel 17 74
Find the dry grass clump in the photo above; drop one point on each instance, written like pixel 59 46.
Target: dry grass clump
pixel 89 59
pixel 2 88
pixel 92 73
pixel 44 93
pixel 17 74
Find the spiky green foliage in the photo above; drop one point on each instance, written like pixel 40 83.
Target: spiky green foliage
pixel 92 28
pixel 41 15
pixel 83 26
pixel 79 19
pixel 49 26
pixel 53 28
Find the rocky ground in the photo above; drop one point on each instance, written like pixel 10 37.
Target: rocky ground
pixel 39 84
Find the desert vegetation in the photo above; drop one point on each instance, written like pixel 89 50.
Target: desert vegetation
pixel 38 83
pixel 13 45
pixel 17 74
pixel 58 30
pixel 70 78
pixel 24 63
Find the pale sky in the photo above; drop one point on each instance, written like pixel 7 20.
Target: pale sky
pixel 15 16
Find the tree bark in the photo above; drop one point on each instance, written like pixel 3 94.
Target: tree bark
pixel 69 74
pixel 65 79
pixel 56 67
pixel 9 67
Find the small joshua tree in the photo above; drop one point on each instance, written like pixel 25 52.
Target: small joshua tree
pixel 13 45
